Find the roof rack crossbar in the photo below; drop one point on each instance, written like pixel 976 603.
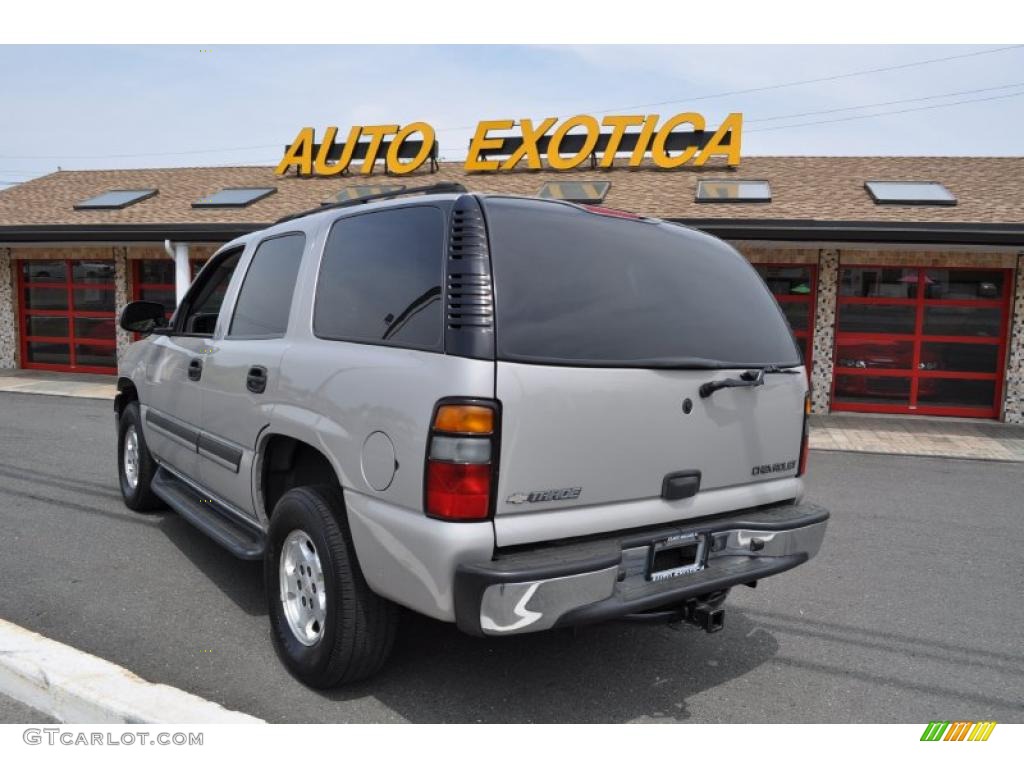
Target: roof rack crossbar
pixel 440 188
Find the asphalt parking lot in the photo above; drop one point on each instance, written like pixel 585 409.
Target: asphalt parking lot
pixel 911 612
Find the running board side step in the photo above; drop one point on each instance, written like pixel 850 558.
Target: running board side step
pixel 241 539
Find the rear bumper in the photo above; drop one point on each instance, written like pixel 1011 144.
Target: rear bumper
pixel 580 583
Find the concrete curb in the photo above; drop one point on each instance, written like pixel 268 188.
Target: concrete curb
pixel 76 687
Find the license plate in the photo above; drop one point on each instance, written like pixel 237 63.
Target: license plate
pixel 675 556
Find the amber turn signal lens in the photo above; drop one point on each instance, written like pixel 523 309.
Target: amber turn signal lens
pixel 466 419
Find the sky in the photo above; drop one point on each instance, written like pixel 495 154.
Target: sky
pixel 79 107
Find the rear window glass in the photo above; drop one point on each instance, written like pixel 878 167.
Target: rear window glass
pixel 578 288
pixel 380 280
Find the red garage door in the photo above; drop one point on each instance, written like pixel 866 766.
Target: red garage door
pixel 794 287
pixel 921 340
pixel 66 315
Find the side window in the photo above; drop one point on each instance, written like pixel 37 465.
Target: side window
pixel 380 280
pixel 201 306
pixel 265 299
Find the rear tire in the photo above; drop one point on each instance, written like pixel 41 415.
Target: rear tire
pixel 135 466
pixel 328 626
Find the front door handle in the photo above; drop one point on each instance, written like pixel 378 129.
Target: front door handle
pixel 256 379
pixel 195 369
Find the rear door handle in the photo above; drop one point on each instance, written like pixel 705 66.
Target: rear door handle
pixel 195 369
pixel 256 379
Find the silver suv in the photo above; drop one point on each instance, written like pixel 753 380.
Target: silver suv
pixel 508 413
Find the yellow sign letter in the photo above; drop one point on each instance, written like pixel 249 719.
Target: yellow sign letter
pixel 529 145
pixel 481 142
pixel 660 156
pixel 618 124
pixel 555 160
pixel 643 140
pixel 395 164
pixel 734 124
pixel 300 153
pixel 376 134
pixel 325 168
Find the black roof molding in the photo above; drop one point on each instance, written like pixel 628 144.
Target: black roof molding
pixel 925 233
pixel 73 233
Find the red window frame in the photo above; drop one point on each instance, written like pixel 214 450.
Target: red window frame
pixel 69 313
pixel 918 338
pixel 138 286
pixel 804 338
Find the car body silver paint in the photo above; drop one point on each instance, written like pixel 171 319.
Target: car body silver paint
pixel 617 432
pixel 365 389
pixel 233 414
pixel 411 558
pixel 531 526
pixel 169 391
pixel 614 433
pixel 229 410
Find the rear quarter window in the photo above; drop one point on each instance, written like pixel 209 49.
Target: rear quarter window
pixel 380 279
pixel 578 288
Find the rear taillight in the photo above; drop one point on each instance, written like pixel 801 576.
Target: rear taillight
pixel 805 442
pixel 461 463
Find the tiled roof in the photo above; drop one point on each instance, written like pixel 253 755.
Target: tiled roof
pixel 990 190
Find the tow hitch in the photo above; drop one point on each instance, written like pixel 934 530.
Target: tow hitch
pixel 692 611
pixel 707 618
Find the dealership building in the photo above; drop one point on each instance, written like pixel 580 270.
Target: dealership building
pixel 902 277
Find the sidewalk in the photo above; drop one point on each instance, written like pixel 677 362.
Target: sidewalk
pixel 62 384
pixel 918 436
pixel 896 435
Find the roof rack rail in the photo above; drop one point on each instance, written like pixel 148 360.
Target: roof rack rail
pixel 440 188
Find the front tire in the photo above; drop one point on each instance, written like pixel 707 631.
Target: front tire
pixel 135 465
pixel 328 626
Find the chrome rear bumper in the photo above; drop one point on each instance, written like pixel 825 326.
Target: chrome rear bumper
pixel 606 578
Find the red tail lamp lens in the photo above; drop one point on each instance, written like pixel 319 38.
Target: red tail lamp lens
pixel 458 491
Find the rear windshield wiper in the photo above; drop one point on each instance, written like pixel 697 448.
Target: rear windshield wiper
pixel 750 378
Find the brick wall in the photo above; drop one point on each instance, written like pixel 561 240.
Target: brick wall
pixel 757 254
pixel 89 253
pixel 890 258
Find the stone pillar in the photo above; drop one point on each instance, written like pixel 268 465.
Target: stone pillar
pixel 8 320
pixel 824 330
pixel 1013 397
pixel 122 291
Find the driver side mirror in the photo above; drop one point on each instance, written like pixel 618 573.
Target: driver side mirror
pixel 143 317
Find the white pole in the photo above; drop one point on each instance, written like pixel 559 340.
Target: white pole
pixel 182 273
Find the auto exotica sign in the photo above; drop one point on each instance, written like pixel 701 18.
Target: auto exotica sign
pixel 503 145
